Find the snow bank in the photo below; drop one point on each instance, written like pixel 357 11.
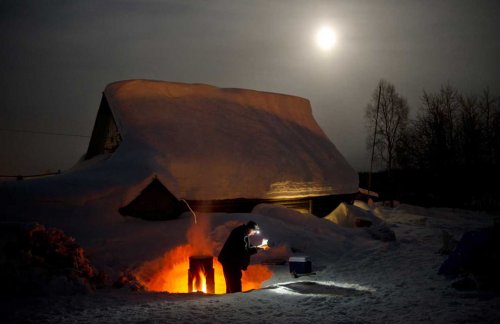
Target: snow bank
pixel 346 215
pixel 356 276
pixel 352 216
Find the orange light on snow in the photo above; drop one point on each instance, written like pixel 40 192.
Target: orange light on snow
pixel 254 276
pixel 170 273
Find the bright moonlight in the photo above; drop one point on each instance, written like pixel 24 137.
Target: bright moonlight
pixel 325 38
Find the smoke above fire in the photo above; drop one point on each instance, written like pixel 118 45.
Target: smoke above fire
pixel 198 236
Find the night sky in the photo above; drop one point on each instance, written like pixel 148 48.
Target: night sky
pixel 57 57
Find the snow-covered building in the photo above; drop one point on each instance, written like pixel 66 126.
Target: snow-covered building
pixel 220 149
pixel 161 144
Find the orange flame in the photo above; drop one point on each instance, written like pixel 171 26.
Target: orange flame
pixel 200 282
pixel 170 272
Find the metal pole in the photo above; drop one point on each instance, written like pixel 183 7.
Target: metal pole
pixel 374 135
pixel 192 212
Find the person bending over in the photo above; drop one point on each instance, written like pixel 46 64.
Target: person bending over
pixel 236 252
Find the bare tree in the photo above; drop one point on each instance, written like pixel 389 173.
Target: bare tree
pixel 435 128
pixel 387 118
pixel 495 132
pixel 487 108
pixel 454 143
pixel 471 137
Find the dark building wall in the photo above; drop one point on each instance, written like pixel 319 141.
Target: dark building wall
pixel 105 135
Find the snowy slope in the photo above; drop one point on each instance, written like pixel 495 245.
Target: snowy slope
pixel 358 279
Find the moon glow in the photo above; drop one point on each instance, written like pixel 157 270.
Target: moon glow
pixel 325 38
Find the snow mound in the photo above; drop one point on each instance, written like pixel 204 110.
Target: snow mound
pixel 295 230
pixel 352 216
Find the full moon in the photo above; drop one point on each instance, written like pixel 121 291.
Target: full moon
pixel 325 38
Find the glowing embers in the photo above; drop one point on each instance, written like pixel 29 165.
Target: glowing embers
pixel 201 274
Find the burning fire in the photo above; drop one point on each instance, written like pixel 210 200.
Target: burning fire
pixel 200 282
pixel 170 272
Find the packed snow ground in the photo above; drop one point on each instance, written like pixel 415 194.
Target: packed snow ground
pixel 358 279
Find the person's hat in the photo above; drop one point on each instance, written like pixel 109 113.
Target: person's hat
pixel 253 225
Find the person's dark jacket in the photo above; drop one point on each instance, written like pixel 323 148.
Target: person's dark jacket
pixel 237 249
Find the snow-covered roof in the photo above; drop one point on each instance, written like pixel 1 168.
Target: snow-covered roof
pixel 209 143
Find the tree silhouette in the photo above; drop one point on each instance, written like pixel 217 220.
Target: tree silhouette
pixel 387 119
